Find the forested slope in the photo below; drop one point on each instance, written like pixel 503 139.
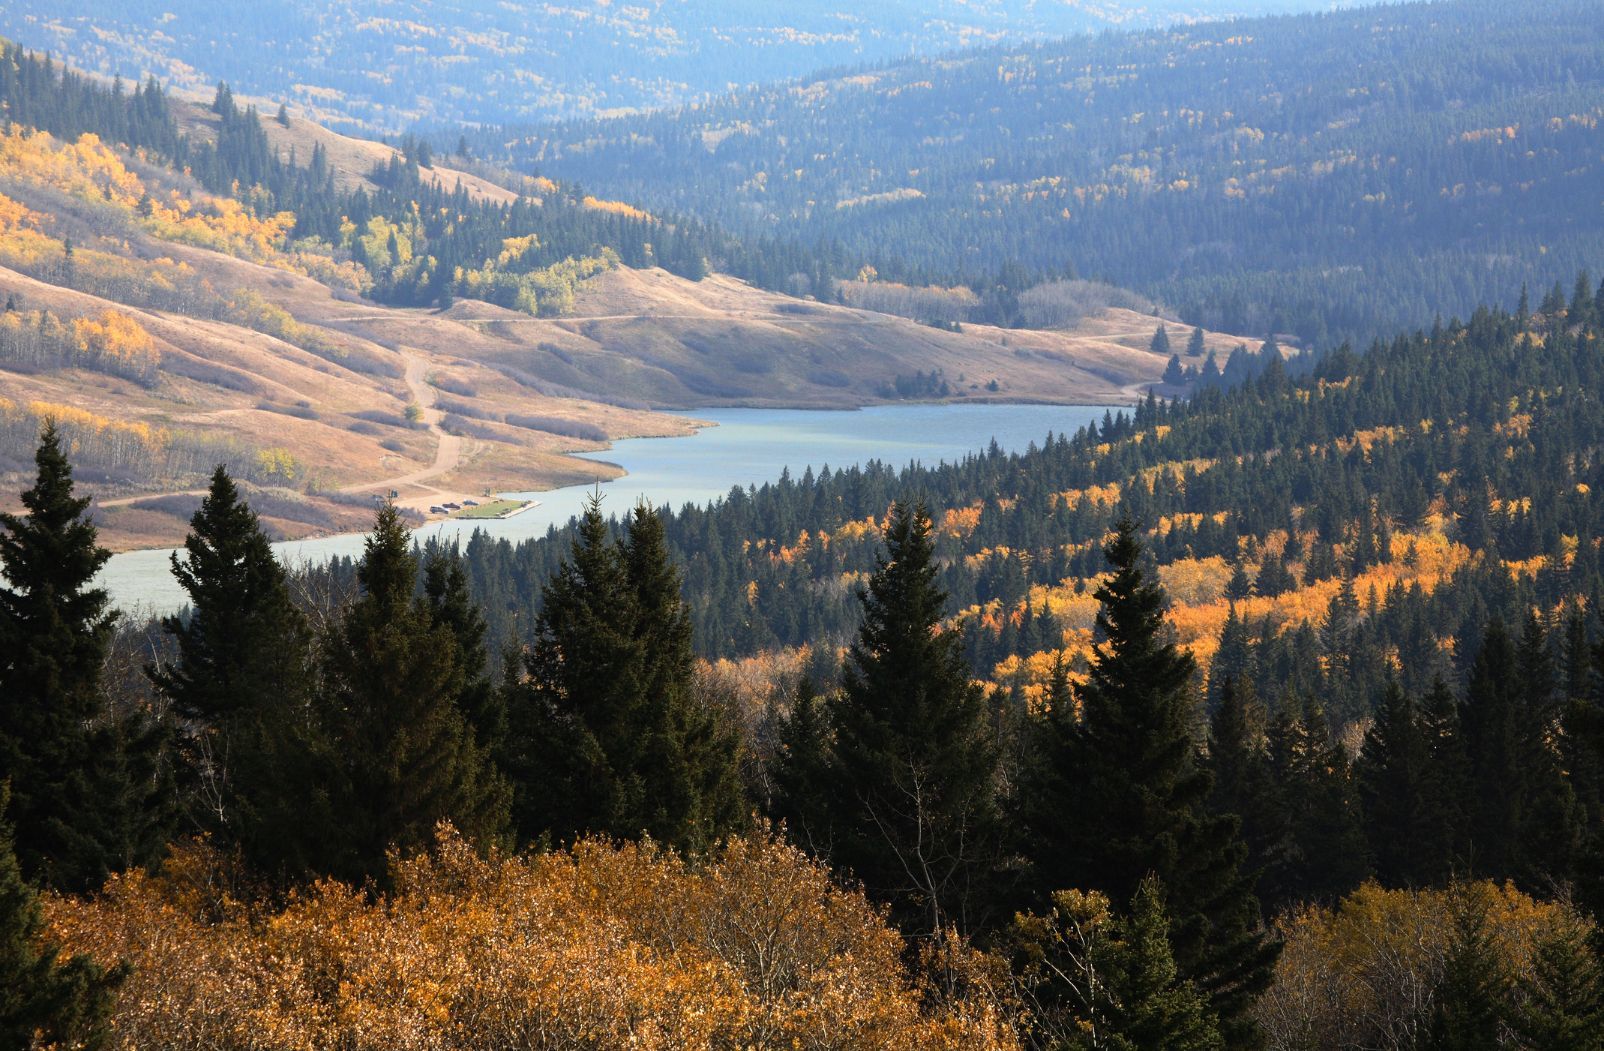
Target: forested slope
pixel 1334 176
pixel 1335 527
pixel 384 66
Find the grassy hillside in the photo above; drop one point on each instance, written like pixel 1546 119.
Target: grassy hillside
pixel 1338 176
pixel 173 327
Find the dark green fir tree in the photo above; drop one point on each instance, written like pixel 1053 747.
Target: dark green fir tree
pixel 1560 1006
pixel 1472 998
pixel 45 1001
pixel 913 810
pixel 610 734
pixel 76 766
pixel 240 682
pixel 1404 828
pixel 690 765
pixel 1154 1005
pixel 393 680
pixel 1125 796
pixel 800 771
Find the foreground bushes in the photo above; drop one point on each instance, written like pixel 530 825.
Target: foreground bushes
pixel 595 947
pixel 1474 965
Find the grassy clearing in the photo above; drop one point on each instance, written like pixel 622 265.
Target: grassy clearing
pixel 490 509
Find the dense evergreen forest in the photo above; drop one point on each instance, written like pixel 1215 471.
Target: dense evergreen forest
pixel 420 242
pixel 1333 520
pixel 1194 831
pixel 1333 176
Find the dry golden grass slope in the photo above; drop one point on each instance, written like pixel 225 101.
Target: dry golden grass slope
pixel 648 337
pixel 334 399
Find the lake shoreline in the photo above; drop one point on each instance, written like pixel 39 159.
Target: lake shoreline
pixel 738 448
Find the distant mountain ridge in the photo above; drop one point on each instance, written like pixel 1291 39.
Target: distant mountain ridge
pixel 1337 175
pixel 387 65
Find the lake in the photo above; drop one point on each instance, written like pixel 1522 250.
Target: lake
pixel 747 447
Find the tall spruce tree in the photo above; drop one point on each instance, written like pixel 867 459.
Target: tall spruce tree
pixel 1447 784
pixel 913 810
pixel 1315 784
pixel 1125 796
pixel 800 772
pixel 580 699
pixel 45 1001
pixel 445 585
pixel 1551 829
pixel 241 682
pixel 1096 981
pixel 1490 720
pixel 1242 784
pixel 690 766
pixel 609 733
pixel 1561 1001
pixel 1471 1001
pixel 1406 843
pixel 75 765
pixel 394 679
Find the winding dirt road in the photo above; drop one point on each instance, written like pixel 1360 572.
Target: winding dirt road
pixel 448 450
pixel 448 447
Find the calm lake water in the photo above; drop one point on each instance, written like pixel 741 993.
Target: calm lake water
pixel 747 447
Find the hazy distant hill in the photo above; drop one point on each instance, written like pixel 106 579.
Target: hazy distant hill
pixel 388 64
pixel 1334 175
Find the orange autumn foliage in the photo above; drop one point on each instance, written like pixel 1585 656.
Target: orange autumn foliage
pixel 600 946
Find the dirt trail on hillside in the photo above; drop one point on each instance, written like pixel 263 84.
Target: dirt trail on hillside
pixel 448 451
pixel 448 448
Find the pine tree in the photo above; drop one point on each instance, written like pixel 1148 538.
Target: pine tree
pixel 1124 796
pixel 1242 785
pixel 1551 821
pixel 1316 787
pixel 241 682
pixel 1160 344
pixel 445 585
pixel 1447 784
pixel 1472 998
pixel 610 734
pixel 44 1001
pixel 1489 717
pixel 55 629
pixel 1561 1001
pixel 585 672
pixel 393 680
pixel 1094 981
pixel 1174 375
pixel 1194 345
pixel 1392 774
pixel 801 771
pixel 690 766
pixel 1154 1006
pixel 913 811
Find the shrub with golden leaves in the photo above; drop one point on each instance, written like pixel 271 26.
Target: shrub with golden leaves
pixel 597 947
pixel 1365 973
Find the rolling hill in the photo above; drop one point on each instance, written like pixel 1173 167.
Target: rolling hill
pixel 385 66
pixel 171 327
pixel 1337 175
